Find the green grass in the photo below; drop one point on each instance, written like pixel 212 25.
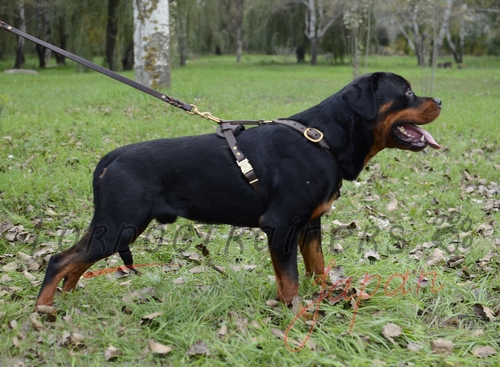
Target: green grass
pixel 55 126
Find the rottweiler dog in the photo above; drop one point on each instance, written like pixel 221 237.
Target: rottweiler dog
pixel 196 178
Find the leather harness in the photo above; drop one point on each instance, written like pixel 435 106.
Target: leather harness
pixel 228 130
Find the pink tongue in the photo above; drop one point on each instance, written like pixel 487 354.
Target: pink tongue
pixel 428 137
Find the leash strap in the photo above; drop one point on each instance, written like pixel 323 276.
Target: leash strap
pixel 132 83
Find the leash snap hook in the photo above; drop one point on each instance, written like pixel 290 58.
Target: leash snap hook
pixel 206 115
pixel 312 130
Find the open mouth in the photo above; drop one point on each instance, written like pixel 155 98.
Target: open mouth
pixel 413 137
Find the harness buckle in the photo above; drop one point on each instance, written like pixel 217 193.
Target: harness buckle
pixel 310 138
pixel 245 166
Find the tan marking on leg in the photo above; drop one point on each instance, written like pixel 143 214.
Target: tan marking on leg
pixel 46 296
pixel 286 287
pixel 74 273
pixel 311 251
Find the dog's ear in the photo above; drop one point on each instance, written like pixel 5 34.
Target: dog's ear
pixel 360 96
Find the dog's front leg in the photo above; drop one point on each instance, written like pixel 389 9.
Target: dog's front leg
pixel 283 244
pixel 310 248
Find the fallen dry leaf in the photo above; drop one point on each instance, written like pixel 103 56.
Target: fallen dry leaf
pixel 5 278
pixel 15 341
pixel 272 303
pixel 197 270
pixel 111 353
pixel 414 347
pixel 437 257
pixel 68 319
pixel 455 261
pixel 179 281
pixel 145 320
pixel 336 274
pixel 485 313
pixel 198 349
pixel 441 346
pixel 158 348
pixel 278 333
pixel 145 294
pixel 222 331
pixel 192 256
pixel 393 205
pixel 24 257
pixel 10 267
pixel 486 259
pixel 484 351
pixel 391 331
pixel 485 230
pixel 76 338
pixel 372 255
pixel 296 304
pixel 35 322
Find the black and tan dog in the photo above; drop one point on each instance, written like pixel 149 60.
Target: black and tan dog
pixel 197 178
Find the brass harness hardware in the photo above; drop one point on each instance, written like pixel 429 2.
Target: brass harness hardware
pixel 306 134
pixel 206 115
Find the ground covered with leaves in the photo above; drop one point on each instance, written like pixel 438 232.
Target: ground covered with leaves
pixel 413 244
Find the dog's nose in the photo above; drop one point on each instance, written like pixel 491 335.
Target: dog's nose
pixel 438 101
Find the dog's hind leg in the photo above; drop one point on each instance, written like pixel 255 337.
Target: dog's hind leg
pixel 128 260
pixel 109 232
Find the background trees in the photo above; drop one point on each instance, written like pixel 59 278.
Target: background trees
pixel 310 29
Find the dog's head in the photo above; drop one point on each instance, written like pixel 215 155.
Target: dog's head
pixel 388 107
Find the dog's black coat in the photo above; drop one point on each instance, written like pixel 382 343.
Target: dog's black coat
pixel 197 178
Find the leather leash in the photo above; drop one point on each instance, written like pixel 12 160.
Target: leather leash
pixel 227 128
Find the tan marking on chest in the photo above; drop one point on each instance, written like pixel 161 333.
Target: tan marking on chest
pixel 323 207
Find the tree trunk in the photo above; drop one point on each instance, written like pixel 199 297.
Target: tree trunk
pixel 418 38
pixel 240 14
pixel 183 39
pixel 239 42
pixel 111 32
pixel 20 41
pixel 60 33
pixel 356 52
pixel 43 31
pixel 151 43
pixel 462 42
pixel 314 50
pixel 438 41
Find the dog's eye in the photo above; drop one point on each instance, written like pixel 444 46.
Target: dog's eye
pixel 409 93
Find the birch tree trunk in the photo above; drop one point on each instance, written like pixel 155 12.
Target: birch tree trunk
pixel 319 18
pixel 152 43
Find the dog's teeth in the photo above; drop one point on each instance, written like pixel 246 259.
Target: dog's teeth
pixel 422 138
pixel 402 129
